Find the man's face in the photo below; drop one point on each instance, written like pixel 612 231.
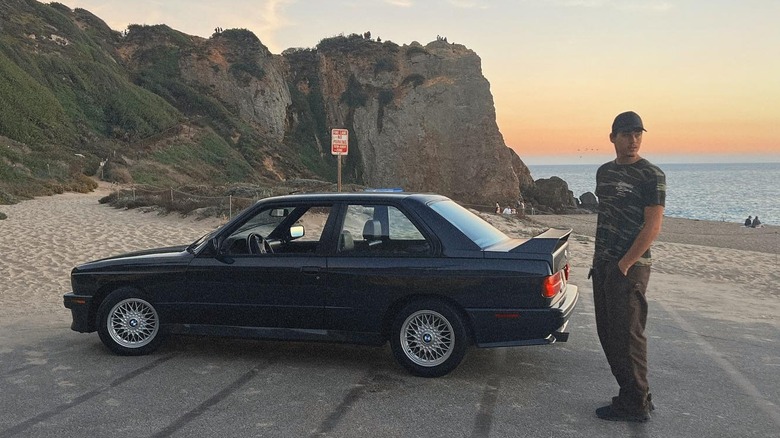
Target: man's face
pixel 627 145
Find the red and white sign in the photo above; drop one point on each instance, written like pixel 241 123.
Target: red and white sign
pixel 339 141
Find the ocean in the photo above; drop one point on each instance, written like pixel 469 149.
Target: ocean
pixel 727 192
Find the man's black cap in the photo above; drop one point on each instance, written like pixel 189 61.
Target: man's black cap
pixel 628 121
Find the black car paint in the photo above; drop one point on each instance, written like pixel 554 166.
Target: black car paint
pixel 330 297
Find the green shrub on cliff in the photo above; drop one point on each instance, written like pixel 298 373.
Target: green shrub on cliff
pixel 244 71
pixel 354 95
pixel 37 115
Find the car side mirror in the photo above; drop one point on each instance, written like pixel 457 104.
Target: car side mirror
pixel 214 246
pixel 297 231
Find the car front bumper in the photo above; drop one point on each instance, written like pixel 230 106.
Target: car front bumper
pixel 80 306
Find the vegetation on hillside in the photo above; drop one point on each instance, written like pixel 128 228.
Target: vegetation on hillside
pixel 66 104
pixel 80 101
pixel 70 111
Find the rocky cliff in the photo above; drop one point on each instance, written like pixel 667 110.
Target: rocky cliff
pixel 427 122
pixel 420 117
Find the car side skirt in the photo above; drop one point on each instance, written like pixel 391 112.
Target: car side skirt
pixel 544 341
pixel 277 334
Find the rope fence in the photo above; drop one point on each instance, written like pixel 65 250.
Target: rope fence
pixel 176 195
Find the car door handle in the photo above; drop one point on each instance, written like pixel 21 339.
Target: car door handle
pixel 312 270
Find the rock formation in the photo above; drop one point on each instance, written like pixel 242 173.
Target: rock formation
pixel 551 195
pixel 420 117
pixel 588 201
pixel 430 125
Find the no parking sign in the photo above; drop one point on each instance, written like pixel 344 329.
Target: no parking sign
pixel 339 141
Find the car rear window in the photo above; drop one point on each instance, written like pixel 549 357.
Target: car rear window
pixel 473 226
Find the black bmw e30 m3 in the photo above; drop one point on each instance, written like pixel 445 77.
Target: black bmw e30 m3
pixel 418 270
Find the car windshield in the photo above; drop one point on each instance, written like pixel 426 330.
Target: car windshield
pixel 202 239
pixel 473 226
pixel 265 222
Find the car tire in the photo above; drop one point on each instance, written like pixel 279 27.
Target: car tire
pixel 428 338
pixel 128 323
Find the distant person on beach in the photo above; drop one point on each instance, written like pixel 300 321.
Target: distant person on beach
pixel 498 208
pixel 756 223
pixel 748 221
pixel 521 207
pixel 632 194
pixel 507 210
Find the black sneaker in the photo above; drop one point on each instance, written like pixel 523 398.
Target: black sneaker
pixel 650 405
pixel 612 413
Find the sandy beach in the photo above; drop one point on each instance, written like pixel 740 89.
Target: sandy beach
pixel 765 239
pixel 44 238
pixel 705 250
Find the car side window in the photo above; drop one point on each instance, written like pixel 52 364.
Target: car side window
pixel 280 230
pixel 313 222
pixel 380 230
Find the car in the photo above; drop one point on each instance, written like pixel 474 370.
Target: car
pixel 417 270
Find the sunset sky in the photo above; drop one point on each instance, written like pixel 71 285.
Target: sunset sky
pixel 704 75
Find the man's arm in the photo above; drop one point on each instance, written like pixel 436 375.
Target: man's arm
pixel 654 215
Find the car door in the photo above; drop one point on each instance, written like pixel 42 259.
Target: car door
pixel 389 255
pixel 283 287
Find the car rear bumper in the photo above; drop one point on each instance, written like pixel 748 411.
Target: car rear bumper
pixel 79 306
pixel 517 327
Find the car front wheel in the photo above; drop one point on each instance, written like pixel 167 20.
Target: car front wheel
pixel 128 323
pixel 428 338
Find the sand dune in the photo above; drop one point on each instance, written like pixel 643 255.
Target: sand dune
pixel 44 238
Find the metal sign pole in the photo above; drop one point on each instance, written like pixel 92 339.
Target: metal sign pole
pixel 339 169
pixel 339 145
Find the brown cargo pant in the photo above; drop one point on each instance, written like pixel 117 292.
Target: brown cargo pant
pixel 621 316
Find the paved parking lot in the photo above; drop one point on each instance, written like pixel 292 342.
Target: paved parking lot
pixel 710 378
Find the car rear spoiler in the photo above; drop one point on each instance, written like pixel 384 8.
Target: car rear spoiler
pixel 551 246
pixel 545 243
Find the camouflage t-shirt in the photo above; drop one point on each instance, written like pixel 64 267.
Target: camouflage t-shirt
pixel 624 190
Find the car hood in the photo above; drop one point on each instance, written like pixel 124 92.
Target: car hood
pixel 147 252
pixel 169 256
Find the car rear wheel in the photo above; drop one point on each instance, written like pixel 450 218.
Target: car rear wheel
pixel 429 338
pixel 128 323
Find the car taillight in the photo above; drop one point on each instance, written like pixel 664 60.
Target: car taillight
pixel 553 284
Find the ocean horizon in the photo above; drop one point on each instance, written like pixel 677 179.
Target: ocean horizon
pixel 726 192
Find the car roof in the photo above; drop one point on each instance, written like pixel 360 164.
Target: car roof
pixel 356 197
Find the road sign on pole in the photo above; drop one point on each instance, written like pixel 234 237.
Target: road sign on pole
pixel 339 145
pixel 339 141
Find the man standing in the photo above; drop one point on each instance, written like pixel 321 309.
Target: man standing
pixel 631 193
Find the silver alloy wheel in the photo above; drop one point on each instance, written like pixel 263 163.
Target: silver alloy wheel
pixel 427 338
pixel 132 323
